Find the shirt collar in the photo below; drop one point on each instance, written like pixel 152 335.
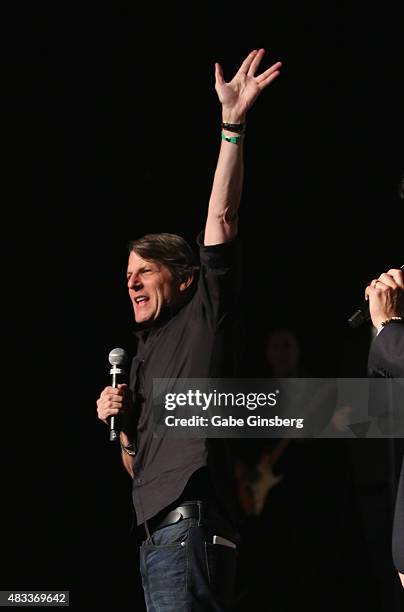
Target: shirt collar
pixel 143 330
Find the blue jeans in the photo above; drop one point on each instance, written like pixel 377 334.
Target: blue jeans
pixel 183 571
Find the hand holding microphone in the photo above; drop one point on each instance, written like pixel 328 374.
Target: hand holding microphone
pixel 385 296
pixel 394 279
pixel 114 399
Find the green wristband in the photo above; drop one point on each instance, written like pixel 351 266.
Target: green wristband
pixel 233 139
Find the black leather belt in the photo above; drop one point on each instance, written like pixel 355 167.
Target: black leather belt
pixel 201 510
pixel 177 514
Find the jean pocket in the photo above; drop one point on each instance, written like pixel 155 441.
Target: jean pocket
pixel 172 535
pixel 221 564
pixel 163 571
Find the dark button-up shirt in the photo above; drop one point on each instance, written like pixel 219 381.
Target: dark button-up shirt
pixel 198 340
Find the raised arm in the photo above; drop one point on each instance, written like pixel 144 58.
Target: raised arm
pixel 236 98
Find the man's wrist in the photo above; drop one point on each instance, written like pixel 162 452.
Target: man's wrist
pixel 237 128
pixel 129 449
pixel 231 137
pixel 229 117
pixel 124 439
pixel 382 324
pixel 395 319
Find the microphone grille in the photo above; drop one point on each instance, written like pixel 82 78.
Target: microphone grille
pixel 117 357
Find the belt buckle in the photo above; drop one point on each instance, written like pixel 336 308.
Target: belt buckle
pixel 166 521
pixel 176 520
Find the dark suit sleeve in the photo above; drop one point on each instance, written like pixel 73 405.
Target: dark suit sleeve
pixel 398 526
pixel 386 357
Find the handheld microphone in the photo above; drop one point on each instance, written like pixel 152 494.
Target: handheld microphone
pixel 117 358
pixel 362 314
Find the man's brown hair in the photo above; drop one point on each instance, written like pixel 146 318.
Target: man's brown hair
pixel 168 249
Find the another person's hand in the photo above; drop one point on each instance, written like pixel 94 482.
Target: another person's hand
pixel 386 296
pixel 113 401
pixel 238 95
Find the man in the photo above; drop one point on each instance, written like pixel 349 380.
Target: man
pixel 181 489
pixel 386 358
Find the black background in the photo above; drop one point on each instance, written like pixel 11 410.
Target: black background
pixel 111 130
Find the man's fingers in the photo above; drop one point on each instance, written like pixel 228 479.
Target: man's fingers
pixel 110 411
pixel 110 401
pixel 265 82
pixel 111 391
pixel 255 62
pixel 375 286
pixel 104 413
pixel 114 403
pixel 386 279
pixel 371 290
pixel 274 69
pixel 398 276
pixel 247 62
pixel 219 74
pixel 378 284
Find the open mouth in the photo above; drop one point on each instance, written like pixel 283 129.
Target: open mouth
pixel 140 300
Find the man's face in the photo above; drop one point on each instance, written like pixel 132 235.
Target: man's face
pixel 151 287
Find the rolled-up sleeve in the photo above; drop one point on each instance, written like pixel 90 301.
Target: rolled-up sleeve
pixel 219 282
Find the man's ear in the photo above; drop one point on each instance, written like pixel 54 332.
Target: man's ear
pixel 186 283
